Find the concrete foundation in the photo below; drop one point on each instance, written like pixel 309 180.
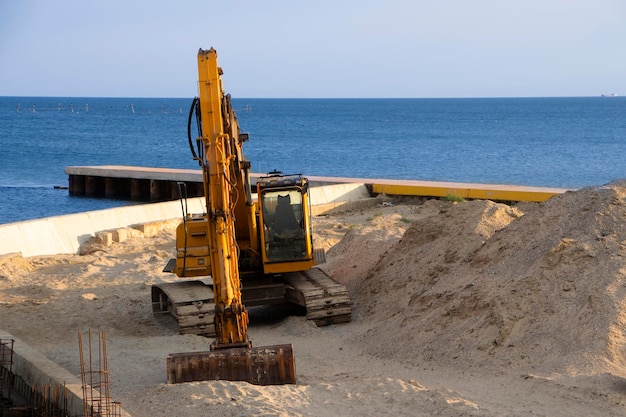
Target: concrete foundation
pixel 33 372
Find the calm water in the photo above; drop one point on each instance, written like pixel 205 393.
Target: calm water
pixel 555 142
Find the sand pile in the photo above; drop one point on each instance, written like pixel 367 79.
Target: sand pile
pixel 480 285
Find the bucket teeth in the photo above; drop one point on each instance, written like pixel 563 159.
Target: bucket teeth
pixel 268 365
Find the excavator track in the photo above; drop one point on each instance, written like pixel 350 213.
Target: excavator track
pixel 190 303
pixel 326 301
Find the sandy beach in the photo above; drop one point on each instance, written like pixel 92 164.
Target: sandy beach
pixel 471 308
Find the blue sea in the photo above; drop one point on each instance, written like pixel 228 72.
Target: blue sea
pixel 552 142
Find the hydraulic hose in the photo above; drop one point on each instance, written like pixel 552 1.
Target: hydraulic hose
pixel 195 107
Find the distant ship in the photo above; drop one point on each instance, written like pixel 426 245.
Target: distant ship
pixel 609 95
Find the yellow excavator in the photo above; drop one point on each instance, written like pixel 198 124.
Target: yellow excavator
pixel 242 252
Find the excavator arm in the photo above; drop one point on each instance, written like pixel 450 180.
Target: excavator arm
pixel 220 168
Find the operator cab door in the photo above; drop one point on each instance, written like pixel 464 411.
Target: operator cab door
pixel 283 226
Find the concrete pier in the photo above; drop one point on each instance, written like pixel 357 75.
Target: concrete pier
pixel 160 184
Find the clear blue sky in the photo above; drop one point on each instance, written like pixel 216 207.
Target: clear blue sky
pixel 291 48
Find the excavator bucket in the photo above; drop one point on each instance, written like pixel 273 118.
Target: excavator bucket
pixel 269 365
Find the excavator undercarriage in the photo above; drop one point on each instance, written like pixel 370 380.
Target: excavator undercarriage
pixel 191 302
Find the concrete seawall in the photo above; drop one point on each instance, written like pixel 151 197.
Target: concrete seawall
pixel 65 234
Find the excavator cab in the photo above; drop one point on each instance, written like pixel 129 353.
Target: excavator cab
pixel 284 213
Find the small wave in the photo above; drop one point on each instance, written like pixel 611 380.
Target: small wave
pixel 31 186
